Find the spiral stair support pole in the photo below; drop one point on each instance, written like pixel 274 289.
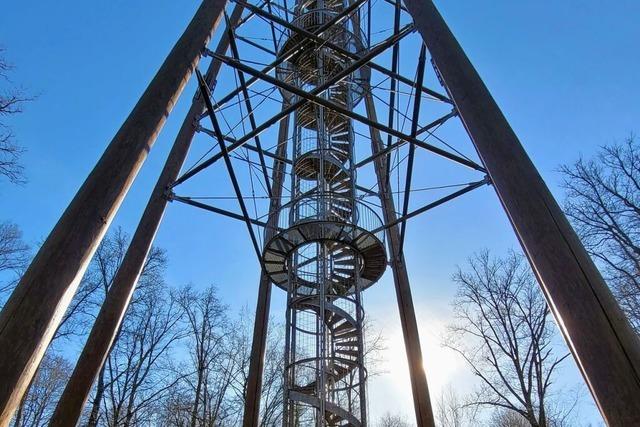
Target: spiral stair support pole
pixel 328 249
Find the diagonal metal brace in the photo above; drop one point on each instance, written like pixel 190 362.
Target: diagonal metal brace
pixel 206 95
pixel 295 105
pixel 310 96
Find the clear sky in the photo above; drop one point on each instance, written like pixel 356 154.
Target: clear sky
pixel 565 74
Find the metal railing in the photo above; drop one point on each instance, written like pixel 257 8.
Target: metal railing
pixel 333 208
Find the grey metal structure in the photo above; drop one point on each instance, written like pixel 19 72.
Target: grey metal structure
pixel 324 253
pixel 319 69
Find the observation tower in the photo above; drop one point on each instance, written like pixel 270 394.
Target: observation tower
pixel 373 88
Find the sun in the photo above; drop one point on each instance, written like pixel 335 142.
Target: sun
pixel 442 365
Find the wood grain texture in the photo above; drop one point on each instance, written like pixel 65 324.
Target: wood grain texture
pixel 34 310
pixel 107 324
pixel 601 340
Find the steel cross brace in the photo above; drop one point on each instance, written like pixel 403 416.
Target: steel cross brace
pixel 350 55
pixel 401 142
pixel 304 99
pixel 313 97
pixel 204 89
pixel 285 56
pixel 395 55
pixel 224 212
pixel 256 45
pixel 248 146
pixel 247 101
pixel 471 186
pixel 412 147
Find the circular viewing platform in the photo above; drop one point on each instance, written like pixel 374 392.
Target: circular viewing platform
pixel 350 225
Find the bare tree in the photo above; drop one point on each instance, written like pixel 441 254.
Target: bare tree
pixel 505 418
pixel 93 289
pixel 211 368
pixel 137 369
pixel 272 377
pixel 37 407
pixel 452 411
pixel 11 101
pixel 14 255
pixel 503 331
pixel 393 420
pixel 99 277
pixel 603 202
pixel 271 403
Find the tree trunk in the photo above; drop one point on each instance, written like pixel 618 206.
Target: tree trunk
pixel 95 406
pixel 194 413
pixel 18 419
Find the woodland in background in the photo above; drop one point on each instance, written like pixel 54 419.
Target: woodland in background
pixel 181 357
pixel 603 204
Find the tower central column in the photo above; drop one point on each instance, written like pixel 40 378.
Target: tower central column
pixel 325 254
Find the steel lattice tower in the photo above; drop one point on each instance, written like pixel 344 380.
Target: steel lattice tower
pixel 318 236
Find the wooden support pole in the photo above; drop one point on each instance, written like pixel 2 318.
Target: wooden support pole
pixel 419 388
pixel 601 340
pixel 261 322
pixel 105 328
pixel 34 310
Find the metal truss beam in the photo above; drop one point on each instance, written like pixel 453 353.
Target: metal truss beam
pixel 256 45
pixel 402 142
pixel 214 209
pixel 412 147
pixel 347 54
pixel 435 123
pixel 248 146
pixel 285 56
pixel 395 56
pixel 311 96
pixel 293 106
pixel 403 219
pixel 366 190
pixel 249 107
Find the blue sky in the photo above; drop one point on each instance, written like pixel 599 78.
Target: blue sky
pixel 564 73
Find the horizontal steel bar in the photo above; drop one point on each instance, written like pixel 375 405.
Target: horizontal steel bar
pixel 224 212
pixel 468 188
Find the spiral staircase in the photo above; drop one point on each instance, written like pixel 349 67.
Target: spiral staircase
pixel 327 249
